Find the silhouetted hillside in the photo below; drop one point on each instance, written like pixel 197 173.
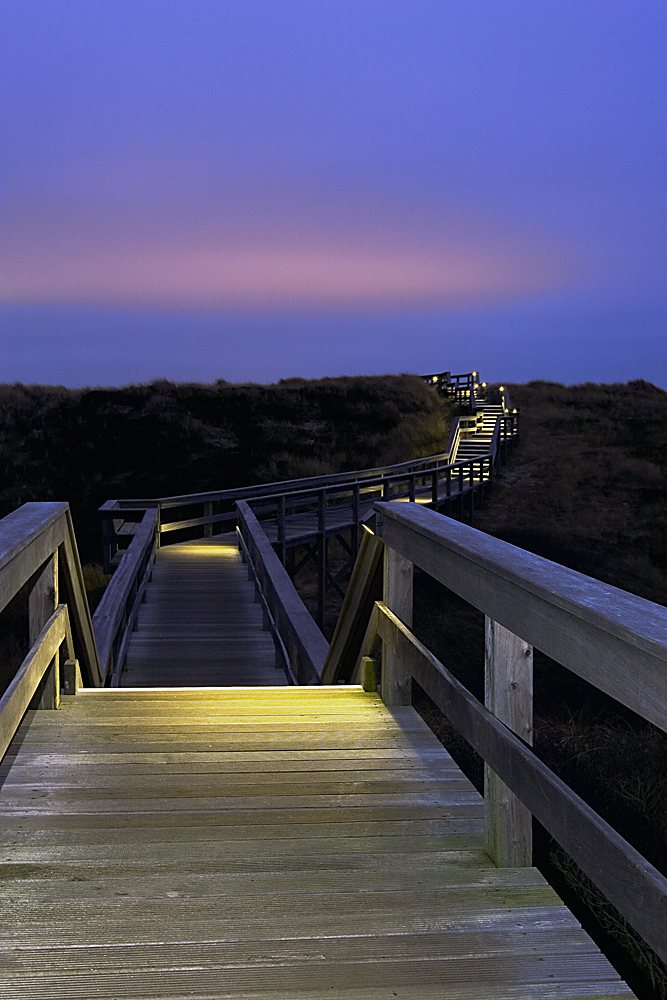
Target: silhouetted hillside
pixel 587 484
pixel 90 445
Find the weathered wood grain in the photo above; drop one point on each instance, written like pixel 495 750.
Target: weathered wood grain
pixel 305 644
pixel 29 537
pixel 629 881
pixel 21 690
pixel 312 871
pixel 363 590
pixel 614 640
pixel 508 695
pixel 397 592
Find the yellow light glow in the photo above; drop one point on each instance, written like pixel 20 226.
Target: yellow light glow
pixel 502 387
pixel 224 551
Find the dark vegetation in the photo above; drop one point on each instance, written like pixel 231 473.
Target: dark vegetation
pixel 162 439
pixel 585 487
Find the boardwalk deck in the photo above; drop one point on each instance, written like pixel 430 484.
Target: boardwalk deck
pixel 275 843
pixel 200 624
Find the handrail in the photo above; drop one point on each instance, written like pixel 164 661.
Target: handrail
pixel 116 613
pixel 305 644
pixel 31 536
pixel 628 880
pixel 282 486
pixel 614 640
pixel 454 439
pixel 269 621
pixel 26 681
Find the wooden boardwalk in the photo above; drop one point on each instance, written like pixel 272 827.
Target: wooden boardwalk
pixel 275 843
pixel 200 624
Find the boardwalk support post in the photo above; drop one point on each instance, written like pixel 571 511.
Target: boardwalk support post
pixel 42 602
pixel 508 694
pixel 397 594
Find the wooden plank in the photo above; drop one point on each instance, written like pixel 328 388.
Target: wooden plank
pixel 199 623
pixel 611 638
pixel 397 594
pixel 85 648
pixel 42 603
pixel 28 537
pixel 508 695
pixel 20 691
pixel 363 590
pixel 283 873
pixel 112 608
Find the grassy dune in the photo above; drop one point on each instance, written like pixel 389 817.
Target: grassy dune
pixel 87 446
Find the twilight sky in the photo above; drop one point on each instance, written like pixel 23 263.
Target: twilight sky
pixel 254 189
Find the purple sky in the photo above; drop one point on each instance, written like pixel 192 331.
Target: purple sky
pixel 201 189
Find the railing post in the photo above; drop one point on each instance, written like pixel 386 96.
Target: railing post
pixel 42 602
pixel 108 539
pixel 280 528
pixel 508 694
pixel 397 595
pixel 208 512
pixel 321 559
pixel 355 519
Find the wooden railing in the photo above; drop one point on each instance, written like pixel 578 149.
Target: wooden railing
pixel 295 633
pixel 464 389
pixel 116 614
pixel 309 512
pixel 217 507
pixel 612 639
pixel 38 548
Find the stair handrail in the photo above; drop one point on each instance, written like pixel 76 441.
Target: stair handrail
pixel 306 646
pixel 116 614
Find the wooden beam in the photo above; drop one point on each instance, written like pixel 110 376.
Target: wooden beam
pixel 133 572
pixel 364 588
pixel 42 602
pixel 629 881
pixel 305 644
pixel 28 537
pixel 21 690
pixel 612 639
pixel 508 695
pixel 398 595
